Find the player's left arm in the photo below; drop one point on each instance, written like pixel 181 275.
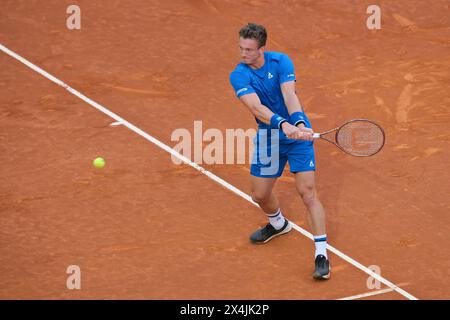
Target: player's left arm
pixel 287 85
pixel 295 109
pixel 290 97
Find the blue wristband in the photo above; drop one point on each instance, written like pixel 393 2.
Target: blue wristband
pixel 297 117
pixel 276 121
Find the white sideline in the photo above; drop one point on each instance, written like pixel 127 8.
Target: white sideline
pixel 194 165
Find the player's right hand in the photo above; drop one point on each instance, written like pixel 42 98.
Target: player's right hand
pixel 293 132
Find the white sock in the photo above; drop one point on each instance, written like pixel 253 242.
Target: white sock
pixel 276 220
pixel 321 245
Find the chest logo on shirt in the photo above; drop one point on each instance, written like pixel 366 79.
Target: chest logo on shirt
pixel 269 75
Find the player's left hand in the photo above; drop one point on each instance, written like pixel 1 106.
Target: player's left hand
pixel 304 132
pixel 297 133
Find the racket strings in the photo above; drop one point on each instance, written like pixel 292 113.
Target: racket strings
pixel 360 138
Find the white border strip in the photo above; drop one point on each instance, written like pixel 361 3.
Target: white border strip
pixel 194 165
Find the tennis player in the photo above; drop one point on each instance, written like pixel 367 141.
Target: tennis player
pixel 265 83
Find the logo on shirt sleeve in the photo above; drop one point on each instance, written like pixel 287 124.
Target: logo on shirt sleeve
pixel 269 76
pixel 241 90
pixel 290 75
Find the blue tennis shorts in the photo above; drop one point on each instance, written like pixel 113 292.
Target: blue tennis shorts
pixel 271 154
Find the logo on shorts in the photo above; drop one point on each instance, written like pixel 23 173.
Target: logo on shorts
pixel 269 76
pixel 311 164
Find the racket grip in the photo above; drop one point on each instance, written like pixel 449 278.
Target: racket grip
pixel 316 135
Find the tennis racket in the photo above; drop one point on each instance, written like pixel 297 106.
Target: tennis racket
pixel 358 137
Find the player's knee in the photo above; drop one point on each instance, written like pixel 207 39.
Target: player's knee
pixel 309 200
pixel 308 195
pixel 260 197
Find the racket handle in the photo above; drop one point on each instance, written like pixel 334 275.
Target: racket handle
pixel 316 135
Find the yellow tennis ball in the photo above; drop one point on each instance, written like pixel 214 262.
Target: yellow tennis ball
pixel 99 162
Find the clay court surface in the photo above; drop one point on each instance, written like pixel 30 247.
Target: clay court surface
pixel 145 228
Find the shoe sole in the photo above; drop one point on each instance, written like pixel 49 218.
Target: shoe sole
pixel 286 230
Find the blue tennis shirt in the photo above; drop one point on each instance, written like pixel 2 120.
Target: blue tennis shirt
pixel 265 82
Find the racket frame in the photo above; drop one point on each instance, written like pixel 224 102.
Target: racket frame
pixel 320 135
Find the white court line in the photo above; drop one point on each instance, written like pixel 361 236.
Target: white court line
pixel 195 166
pixel 368 294
pixel 373 293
